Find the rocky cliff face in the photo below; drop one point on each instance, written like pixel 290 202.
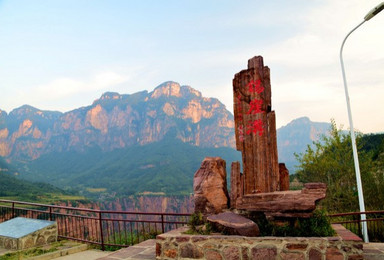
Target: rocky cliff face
pixel 118 121
pixel 174 204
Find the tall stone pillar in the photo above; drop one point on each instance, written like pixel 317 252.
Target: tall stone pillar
pixel 255 128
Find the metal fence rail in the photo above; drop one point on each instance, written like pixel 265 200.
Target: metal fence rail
pixel 352 221
pixel 100 227
pixel 113 229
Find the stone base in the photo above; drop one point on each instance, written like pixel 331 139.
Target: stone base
pixel 175 245
pixel 21 233
pixel 284 204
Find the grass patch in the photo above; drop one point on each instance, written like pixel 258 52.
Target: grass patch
pixel 28 253
pixel 121 238
pixel 96 190
pixel 197 225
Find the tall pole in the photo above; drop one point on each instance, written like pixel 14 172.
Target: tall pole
pixel 354 148
pixel 371 14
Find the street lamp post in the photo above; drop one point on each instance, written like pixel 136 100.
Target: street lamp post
pixel 371 14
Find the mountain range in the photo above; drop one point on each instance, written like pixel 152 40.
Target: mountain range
pixel 143 143
pixel 117 121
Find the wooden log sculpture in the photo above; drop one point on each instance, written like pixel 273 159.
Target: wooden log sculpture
pixel 255 128
pixel 263 185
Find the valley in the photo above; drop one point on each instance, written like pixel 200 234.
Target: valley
pixel 146 144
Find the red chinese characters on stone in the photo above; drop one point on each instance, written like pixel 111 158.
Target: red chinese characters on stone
pixel 255 86
pixel 255 127
pixel 255 106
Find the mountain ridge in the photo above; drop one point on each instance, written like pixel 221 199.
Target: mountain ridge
pixel 116 121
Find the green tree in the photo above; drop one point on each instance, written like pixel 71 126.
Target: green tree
pixel 331 161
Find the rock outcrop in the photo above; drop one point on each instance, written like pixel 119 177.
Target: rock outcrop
pixel 233 224
pixel 210 186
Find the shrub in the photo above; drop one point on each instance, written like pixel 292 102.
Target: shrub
pixel 316 226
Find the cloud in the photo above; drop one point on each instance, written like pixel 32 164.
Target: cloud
pixel 66 87
pixel 64 93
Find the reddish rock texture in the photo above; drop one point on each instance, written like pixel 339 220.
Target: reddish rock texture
pixel 315 254
pixel 285 203
pixel 234 224
pixel 231 253
pixel 263 253
pixel 255 128
pixel 284 177
pixel 191 251
pixel 210 186
pixel 213 255
pixel 264 184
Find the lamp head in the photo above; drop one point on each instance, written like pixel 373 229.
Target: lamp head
pixel 374 11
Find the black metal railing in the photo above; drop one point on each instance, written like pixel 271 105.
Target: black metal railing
pixel 353 222
pixel 106 228
pixel 113 229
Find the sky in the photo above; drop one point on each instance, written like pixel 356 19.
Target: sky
pixel 63 54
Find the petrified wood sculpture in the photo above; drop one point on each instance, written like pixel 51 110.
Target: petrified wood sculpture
pixel 263 185
pixel 255 128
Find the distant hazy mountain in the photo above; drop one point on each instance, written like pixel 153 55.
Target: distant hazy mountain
pixel 296 136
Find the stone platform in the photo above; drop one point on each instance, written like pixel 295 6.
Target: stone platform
pixel 176 245
pixel 21 233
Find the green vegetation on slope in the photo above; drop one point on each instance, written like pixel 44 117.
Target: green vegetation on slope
pixel 12 188
pixel 331 162
pixel 165 167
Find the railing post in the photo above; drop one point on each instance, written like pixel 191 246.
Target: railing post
pixel 162 223
pixel 101 232
pixel 13 209
pixel 359 218
pixel 50 213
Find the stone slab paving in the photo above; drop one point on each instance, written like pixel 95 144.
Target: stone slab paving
pixel 144 250
pixel 374 251
pixel 91 254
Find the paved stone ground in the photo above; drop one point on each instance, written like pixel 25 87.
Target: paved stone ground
pixel 144 250
pixel 90 254
pixel 374 251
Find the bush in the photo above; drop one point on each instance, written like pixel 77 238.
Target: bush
pixel 197 225
pixel 316 226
